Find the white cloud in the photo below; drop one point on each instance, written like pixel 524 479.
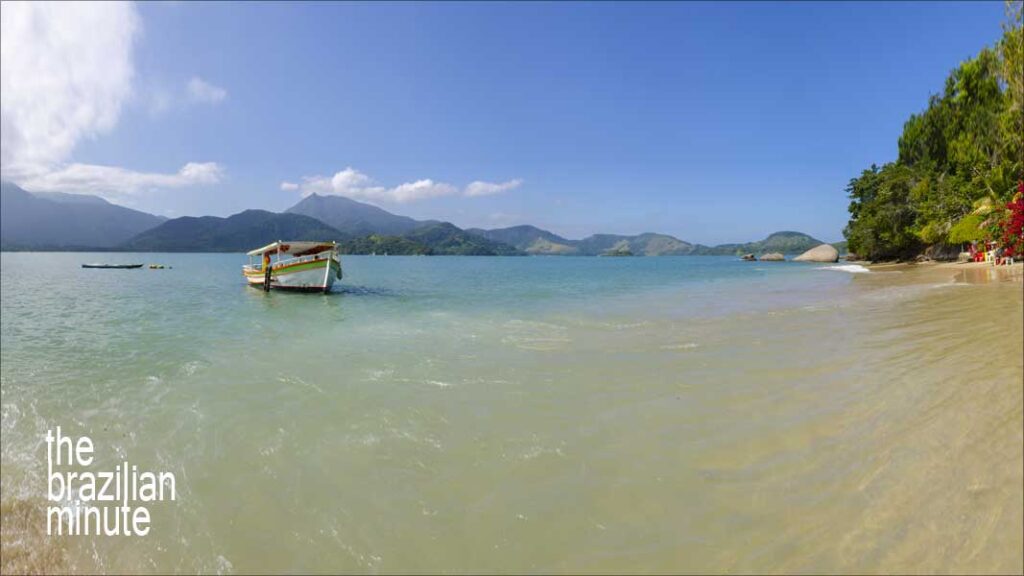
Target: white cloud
pixel 351 181
pixel 65 71
pixel 358 186
pixel 113 182
pixel 200 90
pixel 422 189
pixel 201 172
pixel 480 188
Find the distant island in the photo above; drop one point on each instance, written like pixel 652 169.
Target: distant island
pixel 75 222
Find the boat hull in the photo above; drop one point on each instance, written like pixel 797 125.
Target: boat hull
pixel 310 276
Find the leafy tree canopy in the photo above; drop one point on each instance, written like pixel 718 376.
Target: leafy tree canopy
pixel 963 151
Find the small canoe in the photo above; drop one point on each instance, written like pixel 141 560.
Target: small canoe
pixel 118 266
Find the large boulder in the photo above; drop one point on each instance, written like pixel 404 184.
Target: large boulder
pixel 943 252
pixel 823 253
pixel 773 257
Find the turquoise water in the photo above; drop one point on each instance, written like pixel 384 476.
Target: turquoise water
pixel 517 414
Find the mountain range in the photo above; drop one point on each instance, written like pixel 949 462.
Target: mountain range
pixel 238 233
pixel 66 221
pixel 58 221
pixel 533 240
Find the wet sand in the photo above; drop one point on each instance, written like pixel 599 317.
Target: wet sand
pixel 968 272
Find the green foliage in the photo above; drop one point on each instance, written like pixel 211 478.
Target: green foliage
pixel 786 242
pixel 384 245
pixel 1011 122
pixel 882 226
pixel 438 239
pixel 968 229
pixel 446 239
pixel 621 249
pixel 966 146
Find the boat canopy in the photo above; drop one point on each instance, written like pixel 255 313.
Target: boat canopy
pixel 293 248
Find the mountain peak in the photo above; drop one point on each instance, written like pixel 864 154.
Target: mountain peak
pixel 352 216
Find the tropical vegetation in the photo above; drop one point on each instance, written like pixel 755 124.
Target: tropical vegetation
pixel 385 245
pixel 960 162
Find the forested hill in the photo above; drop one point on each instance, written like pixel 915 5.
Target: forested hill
pixel 785 242
pixel 238 233
pixel 959 165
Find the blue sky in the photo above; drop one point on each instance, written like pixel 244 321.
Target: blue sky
pixel 711 122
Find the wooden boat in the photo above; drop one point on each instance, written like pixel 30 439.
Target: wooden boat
pixel 299 266
pixel 115 266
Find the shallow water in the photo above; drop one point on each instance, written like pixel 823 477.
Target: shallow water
pixel 523 414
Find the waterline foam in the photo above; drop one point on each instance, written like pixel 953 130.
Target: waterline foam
pixel 851 268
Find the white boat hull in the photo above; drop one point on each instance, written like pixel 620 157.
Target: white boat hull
pixel 309 276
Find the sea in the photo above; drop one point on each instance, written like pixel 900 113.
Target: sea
pixel 530 414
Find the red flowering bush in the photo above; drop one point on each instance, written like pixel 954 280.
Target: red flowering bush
pixel 1013 227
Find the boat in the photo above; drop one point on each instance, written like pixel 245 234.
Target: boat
pixel 113 266
pixel 298 266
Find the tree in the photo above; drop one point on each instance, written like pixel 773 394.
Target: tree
pixel 882 219
pixel 959 162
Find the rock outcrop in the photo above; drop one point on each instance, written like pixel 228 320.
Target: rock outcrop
pixel 773 257
pixel 749 257
pixel 942 252
pixel 823 253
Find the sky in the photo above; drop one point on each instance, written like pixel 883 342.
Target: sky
pixel 713 122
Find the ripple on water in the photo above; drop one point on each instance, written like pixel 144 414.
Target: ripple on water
pixel 851 268
pixel 536 335
pixel 679 346
pixel 353 290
